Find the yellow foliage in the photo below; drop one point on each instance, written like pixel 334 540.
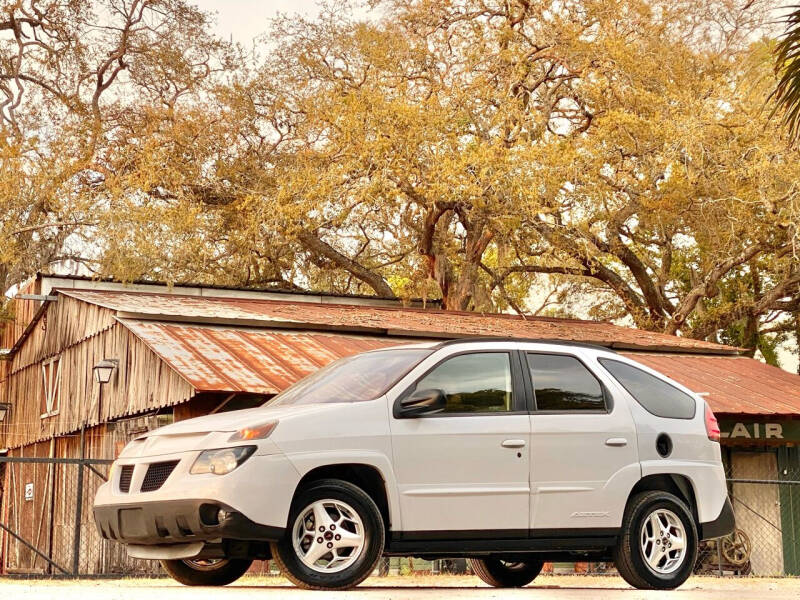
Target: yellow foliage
pixel 475 151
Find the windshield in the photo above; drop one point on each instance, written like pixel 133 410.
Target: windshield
pixel 353 379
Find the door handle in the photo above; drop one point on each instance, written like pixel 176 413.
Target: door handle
pixel 616 442
pixel 513 443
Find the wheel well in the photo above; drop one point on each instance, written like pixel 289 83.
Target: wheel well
pixel 367 477
pixel 679 485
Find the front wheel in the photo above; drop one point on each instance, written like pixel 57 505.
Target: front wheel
pixel 214 571
pixel 334 539
pixel 503 573
pixel 657 548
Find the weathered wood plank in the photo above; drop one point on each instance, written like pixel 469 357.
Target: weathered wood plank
pixel 141 383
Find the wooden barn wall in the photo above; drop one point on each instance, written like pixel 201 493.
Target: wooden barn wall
pixel 26 517
pixel 22 313
pixel 48 520
pixel 141 383
pixel 66 322
pixel 5 369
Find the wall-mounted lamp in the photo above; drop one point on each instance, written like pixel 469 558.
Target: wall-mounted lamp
pixel 104 369
pixel 4 408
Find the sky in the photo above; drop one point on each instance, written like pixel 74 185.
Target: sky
pixel 244 20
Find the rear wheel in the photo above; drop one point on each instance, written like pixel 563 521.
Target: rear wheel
pixel 504 573
pixel 334 539
pixel 213 571
pixel 657 548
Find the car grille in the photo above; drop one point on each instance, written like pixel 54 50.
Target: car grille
pixel 157 474
pixel 125 476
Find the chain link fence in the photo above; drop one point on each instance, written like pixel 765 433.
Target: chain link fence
pixel 47 528
pixel 46 523
pixel 764 488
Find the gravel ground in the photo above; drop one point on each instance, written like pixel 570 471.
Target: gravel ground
pixel 400 588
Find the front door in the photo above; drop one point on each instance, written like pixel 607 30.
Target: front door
pixel 583 448
pixel 464 472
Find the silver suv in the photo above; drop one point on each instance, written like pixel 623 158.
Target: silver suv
pixel 507 452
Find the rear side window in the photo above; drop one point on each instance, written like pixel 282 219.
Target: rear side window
pixel 473 383
pixel 563 383
pixel 654 394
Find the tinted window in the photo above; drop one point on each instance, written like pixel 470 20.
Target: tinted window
pixel 361 377
pixel 478 382
pixel 656 395
pixel 564 383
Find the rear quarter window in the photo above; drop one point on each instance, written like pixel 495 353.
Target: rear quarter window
pixel 656 395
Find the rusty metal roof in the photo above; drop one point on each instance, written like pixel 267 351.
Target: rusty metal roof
pixel 262 346
pixel 260 361
pixel 731 384
pixel 266 361
pixel 386 321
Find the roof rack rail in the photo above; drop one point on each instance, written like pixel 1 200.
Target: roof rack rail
pixel 464 340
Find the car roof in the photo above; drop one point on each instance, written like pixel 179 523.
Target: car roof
pixel 547 341
pixel 436 345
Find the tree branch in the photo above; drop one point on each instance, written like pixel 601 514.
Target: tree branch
pixel 314 244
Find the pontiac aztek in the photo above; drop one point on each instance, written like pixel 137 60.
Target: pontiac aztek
pixel 507 452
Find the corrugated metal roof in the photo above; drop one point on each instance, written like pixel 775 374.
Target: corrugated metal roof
pixel 266 361
pixel 246 360
pixel 384 320
pixel 732 384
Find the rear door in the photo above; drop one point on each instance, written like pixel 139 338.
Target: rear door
pixel 464 472
pixel 583 445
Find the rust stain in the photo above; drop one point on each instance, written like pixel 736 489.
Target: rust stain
pixel 246 360
pixel 263 346
pixel 268 361
pixel 387 320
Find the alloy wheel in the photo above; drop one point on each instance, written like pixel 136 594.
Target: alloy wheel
pixel 663 541
pixel 328 536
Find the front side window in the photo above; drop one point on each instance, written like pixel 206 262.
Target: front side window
pixel 654 394
pixel 563 383
pixel 473 383
pixel 356 378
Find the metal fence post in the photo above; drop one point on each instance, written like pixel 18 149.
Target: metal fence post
pixel 76 547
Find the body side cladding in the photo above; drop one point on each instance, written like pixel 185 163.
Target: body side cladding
pixel 557 542
pixel 679 485
pixel 368 477
pixel 724 524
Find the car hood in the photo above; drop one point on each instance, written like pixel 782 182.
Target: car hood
pixel 236 419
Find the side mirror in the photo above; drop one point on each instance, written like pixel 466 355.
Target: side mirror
pixel 421 402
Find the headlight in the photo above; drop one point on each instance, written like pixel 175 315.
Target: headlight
pixel 256 432
pixel 221 460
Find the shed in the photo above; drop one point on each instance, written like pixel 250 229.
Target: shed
pixel 184 351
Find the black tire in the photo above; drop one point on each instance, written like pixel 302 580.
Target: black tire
pixel 223 572
pixel 505 574
pixel 628 554
pixel 303 576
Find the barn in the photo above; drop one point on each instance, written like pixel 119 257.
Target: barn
pixel 88 365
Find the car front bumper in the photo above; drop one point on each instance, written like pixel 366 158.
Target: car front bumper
pixel 178 521
pixel 255 498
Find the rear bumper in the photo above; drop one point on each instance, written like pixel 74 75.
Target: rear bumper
pixel 722 525
pixel 176 522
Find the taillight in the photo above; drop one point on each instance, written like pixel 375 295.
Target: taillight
pixel 712 425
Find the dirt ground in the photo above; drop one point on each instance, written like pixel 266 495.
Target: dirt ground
pixel 400 588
